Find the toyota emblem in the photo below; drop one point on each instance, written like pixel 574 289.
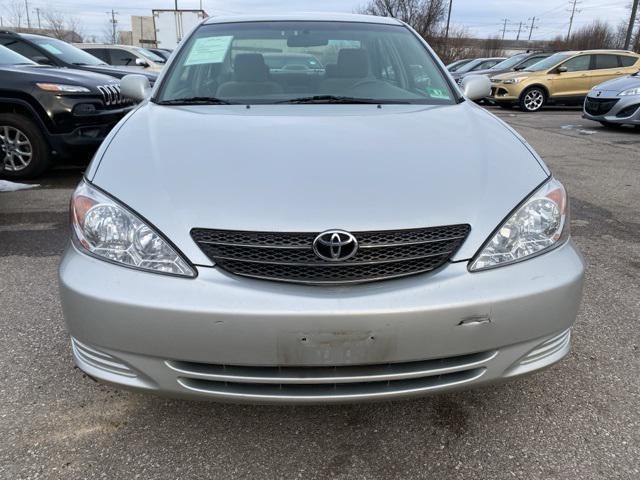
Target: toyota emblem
pixel 335 245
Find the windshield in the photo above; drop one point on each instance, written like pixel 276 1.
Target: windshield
pixel 548 62
pixel 281 62
pixel 67 53
pixel 9 57
pixel 467 67
pixel 509 63
pixel 149 55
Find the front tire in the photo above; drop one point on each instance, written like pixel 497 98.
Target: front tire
pixel 23 150
pixel 533 99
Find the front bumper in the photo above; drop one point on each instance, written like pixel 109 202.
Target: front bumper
pixel 231 339
pixel 505 94
pixel 84 133
pixel 625 111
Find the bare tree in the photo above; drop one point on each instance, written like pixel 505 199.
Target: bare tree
pixel 597 34
pixel 425 16
pixel 15 12
pixel 61 26
pixel 492 47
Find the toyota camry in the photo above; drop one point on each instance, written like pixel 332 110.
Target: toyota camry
pixel 360 231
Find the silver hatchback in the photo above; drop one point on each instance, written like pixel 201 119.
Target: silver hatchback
pixel 615 103
pixel 355 231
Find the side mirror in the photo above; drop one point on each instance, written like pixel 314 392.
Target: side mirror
pixel 476 87
pixel 136 87
pixel 141 63
pixel 562 69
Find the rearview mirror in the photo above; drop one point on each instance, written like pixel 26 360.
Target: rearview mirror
pixel 476 87
pixel 307 40
pixel 42 60
pixel 141 63
pixel 562 69
pixel 136 87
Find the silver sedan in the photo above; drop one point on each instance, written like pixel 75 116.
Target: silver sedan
pixel 616 102
pixel 364 232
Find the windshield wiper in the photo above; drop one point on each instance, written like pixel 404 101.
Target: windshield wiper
pixel 319 99
pixel 194 101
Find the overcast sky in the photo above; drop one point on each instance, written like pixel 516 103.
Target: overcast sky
pixel 481 17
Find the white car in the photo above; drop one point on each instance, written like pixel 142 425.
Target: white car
pixel 125 55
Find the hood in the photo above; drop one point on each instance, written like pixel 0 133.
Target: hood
pixel 309 168
pixel 120 72
pixel 59 75
pixel 619 84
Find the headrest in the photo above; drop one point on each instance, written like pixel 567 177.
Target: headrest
pixel 352 63
pixel 250 67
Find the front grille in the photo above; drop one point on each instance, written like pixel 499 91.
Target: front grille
pixel 111 95
pixel 290 257
pixel 599 106
pixel 331 382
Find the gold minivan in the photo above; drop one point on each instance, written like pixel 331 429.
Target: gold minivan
pixel 563 78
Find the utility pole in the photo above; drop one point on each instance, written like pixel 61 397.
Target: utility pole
pixel 114 22
pixel 504 28
pixel 632 22
pixel 446 33
pixel 573 13
pixel 519 30
pixel 533 23
pixel 38 13
pixel 26 7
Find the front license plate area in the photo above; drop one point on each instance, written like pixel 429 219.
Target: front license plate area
pixel 342 347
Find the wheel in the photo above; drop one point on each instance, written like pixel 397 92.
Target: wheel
pixel 23 150
pixel 532 99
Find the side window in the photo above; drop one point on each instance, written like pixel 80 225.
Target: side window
pixel 606 61
pixel 100 53
pixel 577 64
pixel 23 49
pixel 627 61
pixel 122 57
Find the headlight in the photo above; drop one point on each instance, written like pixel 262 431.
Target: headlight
pixel 631 91
pixel 540 224
pixel 60 88
pixel 511 81
pixel 108 230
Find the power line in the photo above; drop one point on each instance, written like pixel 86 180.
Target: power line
pixel 573 13
pixel 533 25
pixel 504 28
pixel 26 7
pixel 446 34
pixel 114 22
pixel 632 22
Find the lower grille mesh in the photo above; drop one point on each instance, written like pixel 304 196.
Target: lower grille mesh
pixel 330 382
pixel 290 257
pixel 599 106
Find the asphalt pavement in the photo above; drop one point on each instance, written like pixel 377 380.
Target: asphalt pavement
pixel 577 420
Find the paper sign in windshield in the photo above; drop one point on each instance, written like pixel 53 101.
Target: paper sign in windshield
pixel 209 50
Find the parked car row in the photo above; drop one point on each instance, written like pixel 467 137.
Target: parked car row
pixel 605 82
pixel 57 102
